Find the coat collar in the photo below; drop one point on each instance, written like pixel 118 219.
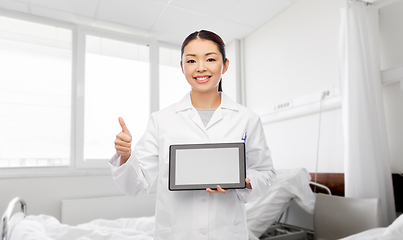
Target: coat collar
pixel 226 103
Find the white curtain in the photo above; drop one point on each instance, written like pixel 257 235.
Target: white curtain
pixel 367 166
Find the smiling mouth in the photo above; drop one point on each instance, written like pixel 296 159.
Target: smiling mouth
pixel 202 79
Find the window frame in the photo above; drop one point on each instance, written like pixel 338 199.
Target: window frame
pixel 82 32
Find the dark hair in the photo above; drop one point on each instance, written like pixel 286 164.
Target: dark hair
pixel 207 35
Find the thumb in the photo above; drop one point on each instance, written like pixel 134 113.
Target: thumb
pixel 123 125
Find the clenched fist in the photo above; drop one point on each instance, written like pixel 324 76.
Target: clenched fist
pixel 123 142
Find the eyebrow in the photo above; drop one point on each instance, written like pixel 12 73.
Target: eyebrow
pixel 194 55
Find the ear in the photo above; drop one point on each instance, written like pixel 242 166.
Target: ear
pixel 226 65
pixel 180 62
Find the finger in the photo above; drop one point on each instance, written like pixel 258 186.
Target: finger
pixel 124 127
pixel 210 190
pixel 122 149
pixel 124 137
pixel 248 184
pixel 123 140
pixel 219 188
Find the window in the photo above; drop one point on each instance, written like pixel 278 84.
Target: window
pixel 172 82
pixel 116 84
pixel 35 94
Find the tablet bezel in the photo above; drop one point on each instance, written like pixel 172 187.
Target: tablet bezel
pixel 172 186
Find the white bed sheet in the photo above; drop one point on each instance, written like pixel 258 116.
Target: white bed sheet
pixel 49 228
pixel 393 232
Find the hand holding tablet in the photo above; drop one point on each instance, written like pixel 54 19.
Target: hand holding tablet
pixel 219 189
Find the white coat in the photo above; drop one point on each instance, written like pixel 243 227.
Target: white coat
pixel 196 214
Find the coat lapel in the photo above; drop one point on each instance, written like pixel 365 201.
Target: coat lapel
pixel 217 116
pixel 195 117
pixel 186 105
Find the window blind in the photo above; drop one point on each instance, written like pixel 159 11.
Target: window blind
pixel 35 94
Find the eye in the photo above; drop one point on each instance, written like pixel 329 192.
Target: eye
pixel 210 60
pixel 191 61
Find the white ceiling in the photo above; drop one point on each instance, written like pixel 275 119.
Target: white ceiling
pixel 165 20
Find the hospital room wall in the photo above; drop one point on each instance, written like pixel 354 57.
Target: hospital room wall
pixel 296 54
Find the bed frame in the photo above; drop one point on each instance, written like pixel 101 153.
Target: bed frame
pixel 7 214
pixel 334 181
pixel 288 226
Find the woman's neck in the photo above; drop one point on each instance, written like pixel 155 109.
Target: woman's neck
pixel 209 100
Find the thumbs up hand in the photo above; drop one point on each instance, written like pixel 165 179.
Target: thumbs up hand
pixel 123 142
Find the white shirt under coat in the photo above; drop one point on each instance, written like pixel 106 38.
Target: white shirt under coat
pixel 196 214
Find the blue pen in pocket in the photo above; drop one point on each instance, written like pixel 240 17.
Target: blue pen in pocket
pixel 244 137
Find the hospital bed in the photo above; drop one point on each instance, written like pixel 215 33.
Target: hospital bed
pixel 291 186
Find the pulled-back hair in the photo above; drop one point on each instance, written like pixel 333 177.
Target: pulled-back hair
pixel 207 35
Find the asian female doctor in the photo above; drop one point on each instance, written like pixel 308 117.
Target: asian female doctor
pixel 204 115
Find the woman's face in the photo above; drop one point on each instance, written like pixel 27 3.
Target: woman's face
pixel 202 64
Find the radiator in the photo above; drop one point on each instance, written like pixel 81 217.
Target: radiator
pixel 77 211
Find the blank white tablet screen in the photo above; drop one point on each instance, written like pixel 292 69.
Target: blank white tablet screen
pixel 207 166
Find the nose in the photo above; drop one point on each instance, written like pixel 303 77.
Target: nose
pixel 201 67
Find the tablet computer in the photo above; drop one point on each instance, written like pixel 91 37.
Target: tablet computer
pixel 201 166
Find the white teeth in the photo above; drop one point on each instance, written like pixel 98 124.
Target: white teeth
pixel 202 79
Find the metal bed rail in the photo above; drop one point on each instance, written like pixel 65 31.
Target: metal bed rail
pixel 282 231
pixel 5 219
pixel 321 186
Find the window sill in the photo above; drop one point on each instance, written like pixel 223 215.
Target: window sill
pixel 8 173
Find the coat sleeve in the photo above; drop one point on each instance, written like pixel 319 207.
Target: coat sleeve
pixel 137 175
pixel 259 165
